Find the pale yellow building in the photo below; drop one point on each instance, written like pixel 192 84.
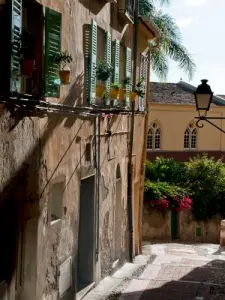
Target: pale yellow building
pixel 172 124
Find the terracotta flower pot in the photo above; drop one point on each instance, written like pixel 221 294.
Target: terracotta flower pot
pixel 64 76
pixel 132 96
pixel 27 67
pixel 114 93
pixel 122 94
pixel 100 90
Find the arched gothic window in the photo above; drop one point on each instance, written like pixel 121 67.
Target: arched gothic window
pixel 190 137
pixel 154 137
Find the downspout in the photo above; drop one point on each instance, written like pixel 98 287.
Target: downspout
pixel 97 162
pixel 144 154
pixel 131 138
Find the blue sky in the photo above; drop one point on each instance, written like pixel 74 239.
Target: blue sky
pixel 202 24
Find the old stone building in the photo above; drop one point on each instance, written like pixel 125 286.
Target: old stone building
pixel 64 153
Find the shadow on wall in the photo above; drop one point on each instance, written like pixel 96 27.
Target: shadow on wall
pixel 205 282
pixel 19 197
pixel 93 6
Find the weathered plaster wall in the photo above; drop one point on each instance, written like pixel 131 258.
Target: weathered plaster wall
pixel 36 152
pixel 156 226
pixel 19 169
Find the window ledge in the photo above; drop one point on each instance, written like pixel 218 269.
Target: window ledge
pixel 126 16
pixel 111 1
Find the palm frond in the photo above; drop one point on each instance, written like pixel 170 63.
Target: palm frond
pixel 159 64
pixel 170 41
pixel 180 54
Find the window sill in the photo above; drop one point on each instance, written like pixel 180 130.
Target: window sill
pixel 111 1
pixel 55 222
pixel 126 16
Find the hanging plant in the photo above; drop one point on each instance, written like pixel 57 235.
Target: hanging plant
pixel 63 59
pixel 114 91
pixel 103 70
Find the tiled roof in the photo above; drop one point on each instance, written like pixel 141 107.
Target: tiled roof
pixel 170 93
pixel 177 93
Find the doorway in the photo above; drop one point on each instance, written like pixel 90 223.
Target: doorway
pixel 118 214
pixel 86 236
pixel 174 225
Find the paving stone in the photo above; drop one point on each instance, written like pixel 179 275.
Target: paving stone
pixel 150 272
pixel 177 272
pixel 126 270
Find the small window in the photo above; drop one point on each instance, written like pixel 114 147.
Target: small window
pixel 56 201
pixel 154 137
pixel 88 152
pixel 190 137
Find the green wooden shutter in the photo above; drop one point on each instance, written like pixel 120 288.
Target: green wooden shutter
pixel 52 46
pixel 108 54
pixel 16 25
pixel 116 61
pixel 92 62
pixel 128 71
pixel 143 74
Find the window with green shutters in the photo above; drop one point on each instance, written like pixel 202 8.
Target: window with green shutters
pixel 92 63
pixel 128 62
pixel 52 46
pixel 108 54
pixel 16 26
pixel 143 74
pixel 116 61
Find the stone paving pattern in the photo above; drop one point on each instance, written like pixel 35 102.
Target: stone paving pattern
pixel 177 272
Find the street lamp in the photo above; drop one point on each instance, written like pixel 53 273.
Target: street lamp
pixel 203 99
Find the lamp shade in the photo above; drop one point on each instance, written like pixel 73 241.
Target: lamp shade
pixel 203 96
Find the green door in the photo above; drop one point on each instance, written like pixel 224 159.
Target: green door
pixel 174 225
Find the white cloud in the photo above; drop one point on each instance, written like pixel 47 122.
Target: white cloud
pixel 195 2
pixel 185 22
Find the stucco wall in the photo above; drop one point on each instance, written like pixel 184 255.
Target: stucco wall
pixel 157 226
pixel 174 119
pixel 38 151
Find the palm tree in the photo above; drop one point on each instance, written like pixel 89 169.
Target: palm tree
pixel 170 46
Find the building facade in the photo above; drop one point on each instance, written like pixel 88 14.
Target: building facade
pixel 64 164
pixel 172 126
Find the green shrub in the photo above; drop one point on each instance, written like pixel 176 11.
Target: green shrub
pixel 207 183
pixel 202 178
pixel 156 190
pixel 167 170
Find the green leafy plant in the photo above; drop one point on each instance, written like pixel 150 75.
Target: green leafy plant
pixel 116 86
pixel 140 88
pixel 126 81
pixel 103 70
pixel 63 59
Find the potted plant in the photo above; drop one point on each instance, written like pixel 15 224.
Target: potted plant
pixel 138 91
pixel 26 51
pixel 63 59
pixel 114 91
pixel 103 72
pixel 122 91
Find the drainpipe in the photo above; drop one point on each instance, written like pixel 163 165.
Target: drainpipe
pixel 144 154
pixel 131 138
pixel 97 165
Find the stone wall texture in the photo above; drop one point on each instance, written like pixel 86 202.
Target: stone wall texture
pixel 157 226
pixel 36 152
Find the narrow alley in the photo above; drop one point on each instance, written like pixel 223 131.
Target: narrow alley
pixel 168 271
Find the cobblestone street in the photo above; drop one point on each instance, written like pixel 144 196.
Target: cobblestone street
pixel 168 271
